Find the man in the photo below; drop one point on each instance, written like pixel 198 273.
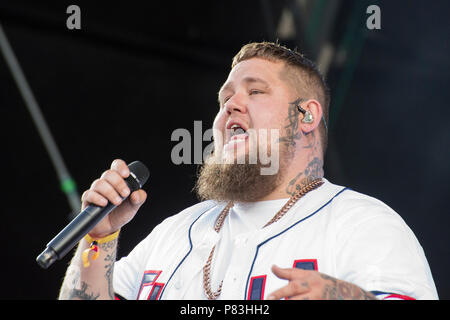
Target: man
pixel 287 235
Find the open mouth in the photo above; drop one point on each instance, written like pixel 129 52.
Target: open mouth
pixel 237 132
pixel 236 135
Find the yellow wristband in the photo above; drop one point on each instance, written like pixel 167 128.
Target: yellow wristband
pixel 106 239
pixel 93 247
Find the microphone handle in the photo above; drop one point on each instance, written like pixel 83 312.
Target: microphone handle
pixel 64 241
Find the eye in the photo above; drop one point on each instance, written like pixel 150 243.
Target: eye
pixel 222 101
pixel 255 91
pixel 225 100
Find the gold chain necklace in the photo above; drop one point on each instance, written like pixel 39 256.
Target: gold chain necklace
pixel 211 295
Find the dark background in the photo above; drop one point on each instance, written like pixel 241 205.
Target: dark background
pixel 136 71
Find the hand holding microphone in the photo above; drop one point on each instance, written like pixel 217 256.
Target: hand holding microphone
pixel 112 187
pixel 110 203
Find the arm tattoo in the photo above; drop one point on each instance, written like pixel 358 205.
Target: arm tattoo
pixel 82 293
pixel 75 288
pixel 111 258
pixel 342 290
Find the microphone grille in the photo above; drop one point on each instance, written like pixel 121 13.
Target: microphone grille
pixel 139 172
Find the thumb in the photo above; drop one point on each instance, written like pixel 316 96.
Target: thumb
pixel 137 198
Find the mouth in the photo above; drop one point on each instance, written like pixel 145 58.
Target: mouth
pixel 236 132
pixel 236 129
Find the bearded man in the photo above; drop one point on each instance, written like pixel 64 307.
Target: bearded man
pixel 284 234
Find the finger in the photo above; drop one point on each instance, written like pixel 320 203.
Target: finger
pixel 92 197
pixel 103 187
pixel 121 167
pixel 288 273
pixel 294 289
pixel 137 198
pixel 116 180
pixel 300 297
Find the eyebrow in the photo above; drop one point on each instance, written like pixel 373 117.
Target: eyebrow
pixel 247 80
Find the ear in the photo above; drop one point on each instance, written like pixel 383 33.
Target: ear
pixel 315 110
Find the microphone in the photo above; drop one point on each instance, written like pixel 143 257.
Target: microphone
pixel 87 219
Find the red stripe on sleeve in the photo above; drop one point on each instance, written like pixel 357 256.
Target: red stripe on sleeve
pixel 398 296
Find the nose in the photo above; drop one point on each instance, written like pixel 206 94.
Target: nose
pixel 236 104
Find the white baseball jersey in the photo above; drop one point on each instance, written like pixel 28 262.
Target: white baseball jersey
pixel 334 230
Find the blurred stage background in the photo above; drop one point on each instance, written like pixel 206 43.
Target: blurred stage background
pixel 136 71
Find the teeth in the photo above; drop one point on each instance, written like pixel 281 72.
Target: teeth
pixel 236 129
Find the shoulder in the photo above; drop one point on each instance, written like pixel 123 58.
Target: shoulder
pixel 357 215
pixel 356 207
pixel 374 245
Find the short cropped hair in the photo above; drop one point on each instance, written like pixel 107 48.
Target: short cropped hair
pixel 299 71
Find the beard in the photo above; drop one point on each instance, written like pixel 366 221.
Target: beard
pixel 238 182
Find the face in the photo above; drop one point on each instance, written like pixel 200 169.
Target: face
pixel 255 99
pixel 252 100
